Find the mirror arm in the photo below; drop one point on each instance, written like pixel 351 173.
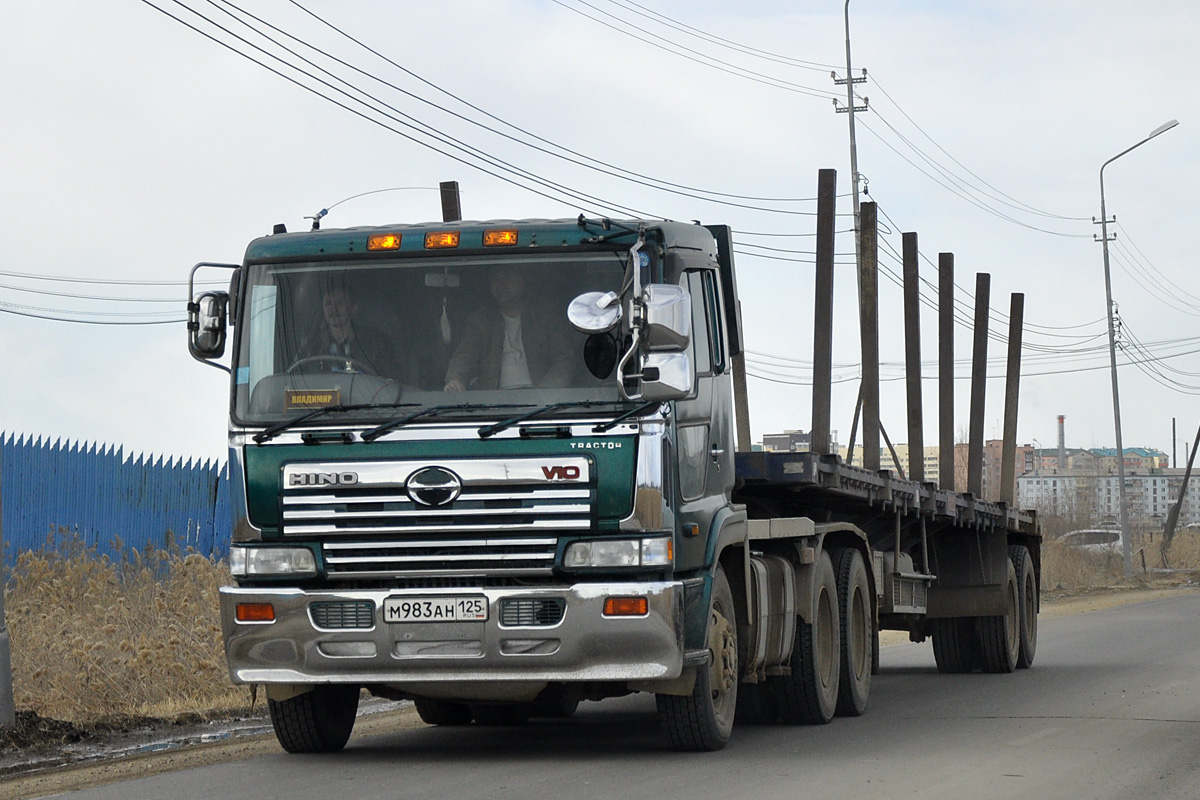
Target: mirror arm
pixel 630 353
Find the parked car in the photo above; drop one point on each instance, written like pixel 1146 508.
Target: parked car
pixel 1094 540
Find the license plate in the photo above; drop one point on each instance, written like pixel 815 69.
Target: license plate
pixel 435 609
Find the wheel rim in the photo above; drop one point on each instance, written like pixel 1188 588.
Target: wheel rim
pixel 826 657
pixel 722 641
pixel 1030 609
pixel 1012 620
pixel 859 631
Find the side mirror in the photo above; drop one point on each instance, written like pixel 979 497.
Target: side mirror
pixel 595 312
pixel 207 317
pixel 668 310
pixel 667 376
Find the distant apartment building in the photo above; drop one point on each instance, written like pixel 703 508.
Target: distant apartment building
pixel 1092 496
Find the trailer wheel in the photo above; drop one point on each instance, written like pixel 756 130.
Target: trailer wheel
pixel 507 714
pixel 703 720
pixel 857 633
pixel 954 647
pixel 1027 582
pixel 1000 636
pixel 318 721
pixel 442 712
pixel 809 695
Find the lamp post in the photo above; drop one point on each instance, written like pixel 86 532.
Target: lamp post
pixel 1112 352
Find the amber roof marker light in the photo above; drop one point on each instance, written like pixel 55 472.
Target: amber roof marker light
pixel 500 237
pixel 441 239
pixel 383 241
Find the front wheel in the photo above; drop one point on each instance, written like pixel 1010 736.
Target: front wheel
pixel 703 720
pixel 318 721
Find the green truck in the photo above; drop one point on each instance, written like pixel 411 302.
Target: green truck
pixel 490 467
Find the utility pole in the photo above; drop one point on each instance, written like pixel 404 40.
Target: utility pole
pixel 1104 239
pixel 849 110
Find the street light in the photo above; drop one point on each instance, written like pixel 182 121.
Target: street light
pixel 1112 351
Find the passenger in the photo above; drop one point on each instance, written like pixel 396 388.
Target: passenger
pixel 514 345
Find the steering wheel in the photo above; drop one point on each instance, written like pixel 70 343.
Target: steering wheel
pixel 349 364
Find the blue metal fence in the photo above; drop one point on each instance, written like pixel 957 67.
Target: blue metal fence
pixel 109 500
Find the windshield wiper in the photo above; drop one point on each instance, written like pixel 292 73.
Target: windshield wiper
pixel 379 430
pixel 492 430
pixel 617 420
pixel 279 427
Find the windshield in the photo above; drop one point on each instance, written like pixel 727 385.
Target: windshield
pixel 466 331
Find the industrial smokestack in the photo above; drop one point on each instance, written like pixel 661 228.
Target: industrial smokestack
pixel 1062 442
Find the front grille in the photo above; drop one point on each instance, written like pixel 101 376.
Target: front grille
pixel 343 614
pixel 444 556
pixel 532 611
pixel 504 522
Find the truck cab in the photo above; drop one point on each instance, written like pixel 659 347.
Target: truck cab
pixel 423 514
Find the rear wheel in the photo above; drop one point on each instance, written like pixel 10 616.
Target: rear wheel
pixel 1027 583
pixel 1000 636
pixel 318 721
pixel 809 695
pixel 954 647
pixel 703 720
pixel 442 712
pixel 857 633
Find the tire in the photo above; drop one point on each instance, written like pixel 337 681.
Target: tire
pixel 509 714
pixel 954 647
pixel 703 720
pixel 857 633
pixel 1027 583
pixel 1000 636
pixel 442 712
pixel 318 721
pixel 809 695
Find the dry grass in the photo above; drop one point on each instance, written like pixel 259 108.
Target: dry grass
pixel 94 638
pixel 1067 570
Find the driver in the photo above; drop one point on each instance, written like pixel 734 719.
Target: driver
pixel 361 347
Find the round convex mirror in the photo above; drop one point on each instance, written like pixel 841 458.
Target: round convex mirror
pixel 595 312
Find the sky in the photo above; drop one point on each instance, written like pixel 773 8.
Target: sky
pixel 132 147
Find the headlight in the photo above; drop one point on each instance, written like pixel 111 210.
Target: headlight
pixel 602 553
pixel 258 561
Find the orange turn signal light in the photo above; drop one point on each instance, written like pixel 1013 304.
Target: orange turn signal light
pixel 626 607
pixel 383 241
pixel 438 239
pixel 499 238
pixel 255 612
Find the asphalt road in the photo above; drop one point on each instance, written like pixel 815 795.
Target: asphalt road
pixel 1111 709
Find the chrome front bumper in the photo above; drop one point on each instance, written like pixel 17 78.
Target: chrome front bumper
pixel 584 645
